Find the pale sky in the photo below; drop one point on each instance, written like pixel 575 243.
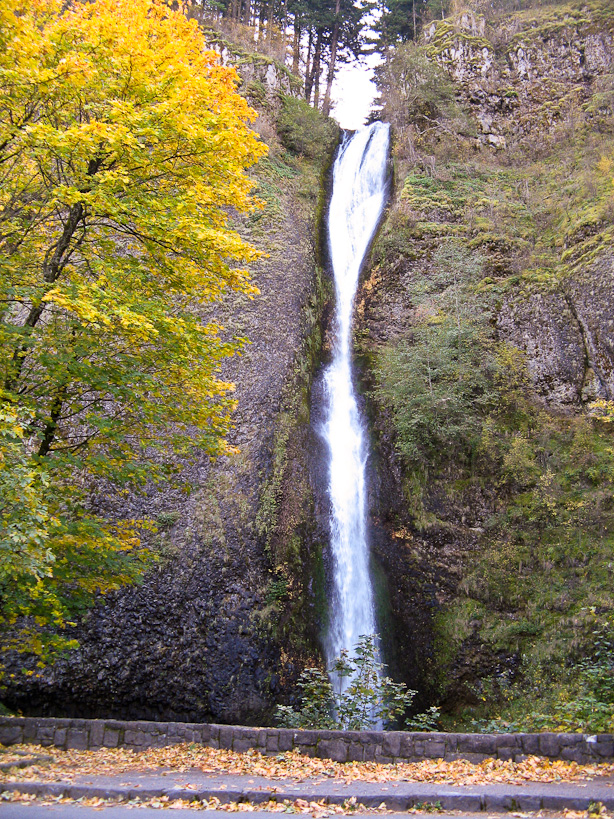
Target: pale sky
pixel 354 92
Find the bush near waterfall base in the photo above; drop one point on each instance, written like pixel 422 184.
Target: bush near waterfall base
pixel 123 145
pixel 369 699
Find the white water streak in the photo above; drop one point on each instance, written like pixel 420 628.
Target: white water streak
pixel 359 195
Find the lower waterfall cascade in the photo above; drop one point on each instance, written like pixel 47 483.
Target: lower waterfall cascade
pixel 359 194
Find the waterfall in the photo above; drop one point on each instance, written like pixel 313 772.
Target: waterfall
pixel 358 198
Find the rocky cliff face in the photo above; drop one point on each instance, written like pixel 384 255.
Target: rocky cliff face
pixel 524 72
pixel 499 239
pixel 524 79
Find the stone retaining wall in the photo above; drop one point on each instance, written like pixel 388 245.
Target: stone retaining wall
pixel 389 746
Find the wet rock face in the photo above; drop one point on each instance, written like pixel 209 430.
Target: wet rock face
pixel 544 327
pixel 179 647
pixel 592 294
pixel 568 337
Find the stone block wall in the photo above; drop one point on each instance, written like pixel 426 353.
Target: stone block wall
pixel 342 746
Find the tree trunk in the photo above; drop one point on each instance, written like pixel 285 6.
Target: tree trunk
pixel 333 60
pixel 52 423
pixel 309 68
pixel 284 30
pixel 269 23
pixel 56 259
pixel 54 264
pixel 296 48
pixel 261 23
pixel 316 70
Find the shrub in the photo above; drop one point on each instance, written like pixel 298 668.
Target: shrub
pixel 305 131
pixel 436 383
pixel 369 699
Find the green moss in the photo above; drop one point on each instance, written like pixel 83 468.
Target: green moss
pixel 271 209
pixel 319 598
pixel 304 130
pixel 547 218
pixel 543 564
pixel 167 519
pixel 448 35
pixel 553 19
pixel 297 606
pixel 543 559
pixel 286 507
pixel 452 627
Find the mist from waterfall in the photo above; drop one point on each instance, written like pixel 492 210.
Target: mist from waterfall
pixel 358 197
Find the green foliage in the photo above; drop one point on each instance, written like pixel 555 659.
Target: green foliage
pixel 317 703
pixel 436 385
pixel 26 559
pixel 167 519
pixel 543 571
pixel 303 130
pixel 403 20
pixel 523 491
pixel 396 21
pixel 53 556
pixel 123 145
pixel 25 520
pixel 368 699
pixel 439 382
pixel 429 807
pixel 277 590
pixel 438 8
pixel 584 703
pixel 545 542
pixel 597 671
pixel 417 94
pixel 424 721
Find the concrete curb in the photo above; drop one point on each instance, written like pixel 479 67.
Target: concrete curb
pixel 495 798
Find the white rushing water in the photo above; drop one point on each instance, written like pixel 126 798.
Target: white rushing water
pixel 358 198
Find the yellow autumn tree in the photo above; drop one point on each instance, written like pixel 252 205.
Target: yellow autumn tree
pixel 123 148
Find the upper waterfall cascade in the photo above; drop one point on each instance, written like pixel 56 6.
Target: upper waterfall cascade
pixel 358 198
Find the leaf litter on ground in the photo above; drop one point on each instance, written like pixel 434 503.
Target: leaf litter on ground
pixel 67 765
